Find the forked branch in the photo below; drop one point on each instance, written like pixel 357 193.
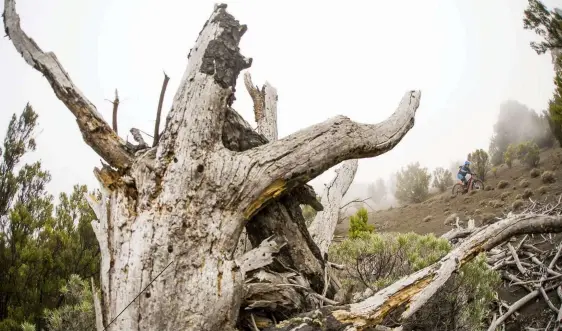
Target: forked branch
pixel 95 131
pixel 300 157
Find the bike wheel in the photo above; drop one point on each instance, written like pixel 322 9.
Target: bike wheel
pixel 457 189
pixel 477 185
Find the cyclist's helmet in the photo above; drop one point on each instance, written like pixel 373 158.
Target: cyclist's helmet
pixel 466 163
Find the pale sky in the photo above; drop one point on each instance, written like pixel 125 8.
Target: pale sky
pixel 326 58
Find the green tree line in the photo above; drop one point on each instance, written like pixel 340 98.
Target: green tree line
pixel 42 245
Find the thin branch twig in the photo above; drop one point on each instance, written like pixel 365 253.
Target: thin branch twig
pixel 159 111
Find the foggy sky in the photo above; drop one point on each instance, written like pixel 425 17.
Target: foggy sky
pixel 326 58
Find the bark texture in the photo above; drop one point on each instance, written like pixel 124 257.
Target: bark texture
pixel 324 224
pixel 171 215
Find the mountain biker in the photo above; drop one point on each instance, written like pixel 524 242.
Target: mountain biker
pixel 463 171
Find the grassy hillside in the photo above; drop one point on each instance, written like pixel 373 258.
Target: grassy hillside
pixel 430 215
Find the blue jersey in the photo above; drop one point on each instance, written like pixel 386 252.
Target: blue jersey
pixel 464 169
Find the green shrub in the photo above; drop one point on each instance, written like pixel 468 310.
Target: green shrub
pixel 480 163
pixel 358 225
pixel 77 312
pixel 463 303
pixel 509 155
pixel 9 324
pixel 412 184
pixel 442 178
pixel 528 153
pixel 26 326
pixel 377 260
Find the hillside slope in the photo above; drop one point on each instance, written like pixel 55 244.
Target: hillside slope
pixel 430 215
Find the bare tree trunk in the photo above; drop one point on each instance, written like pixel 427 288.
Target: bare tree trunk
pixel 171 215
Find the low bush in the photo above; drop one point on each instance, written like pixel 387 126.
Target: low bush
pixel 375 261
pixel 502 184
pixel 548 177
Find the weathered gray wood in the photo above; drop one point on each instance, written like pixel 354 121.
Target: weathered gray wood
pixel 324 224
pixel 184 202
pixel 95 130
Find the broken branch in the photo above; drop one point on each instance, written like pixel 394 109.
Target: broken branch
pixel 260 256
pixel 207 88
pixel 138 138
pixel 324 224
pixel 265 107
pixel 95 131
pixel 115 103
pixel 159 111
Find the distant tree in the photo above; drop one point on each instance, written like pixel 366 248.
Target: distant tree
pixel 555 106
pixel 509 155
pixel 377 190
pixel 548 25
pixel 391 187
pixel 442 178
pixel 480 163
pixel 412 183
pixel 517 123
pixel 528 153
pixel 454 168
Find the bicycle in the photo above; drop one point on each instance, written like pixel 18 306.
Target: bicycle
pixel 473 184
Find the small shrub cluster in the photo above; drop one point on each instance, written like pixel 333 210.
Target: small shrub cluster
pixel 505 195
pixel 517 204
pixel 502 184
pixel 548 177
pixel 527 193
pixel 535 172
